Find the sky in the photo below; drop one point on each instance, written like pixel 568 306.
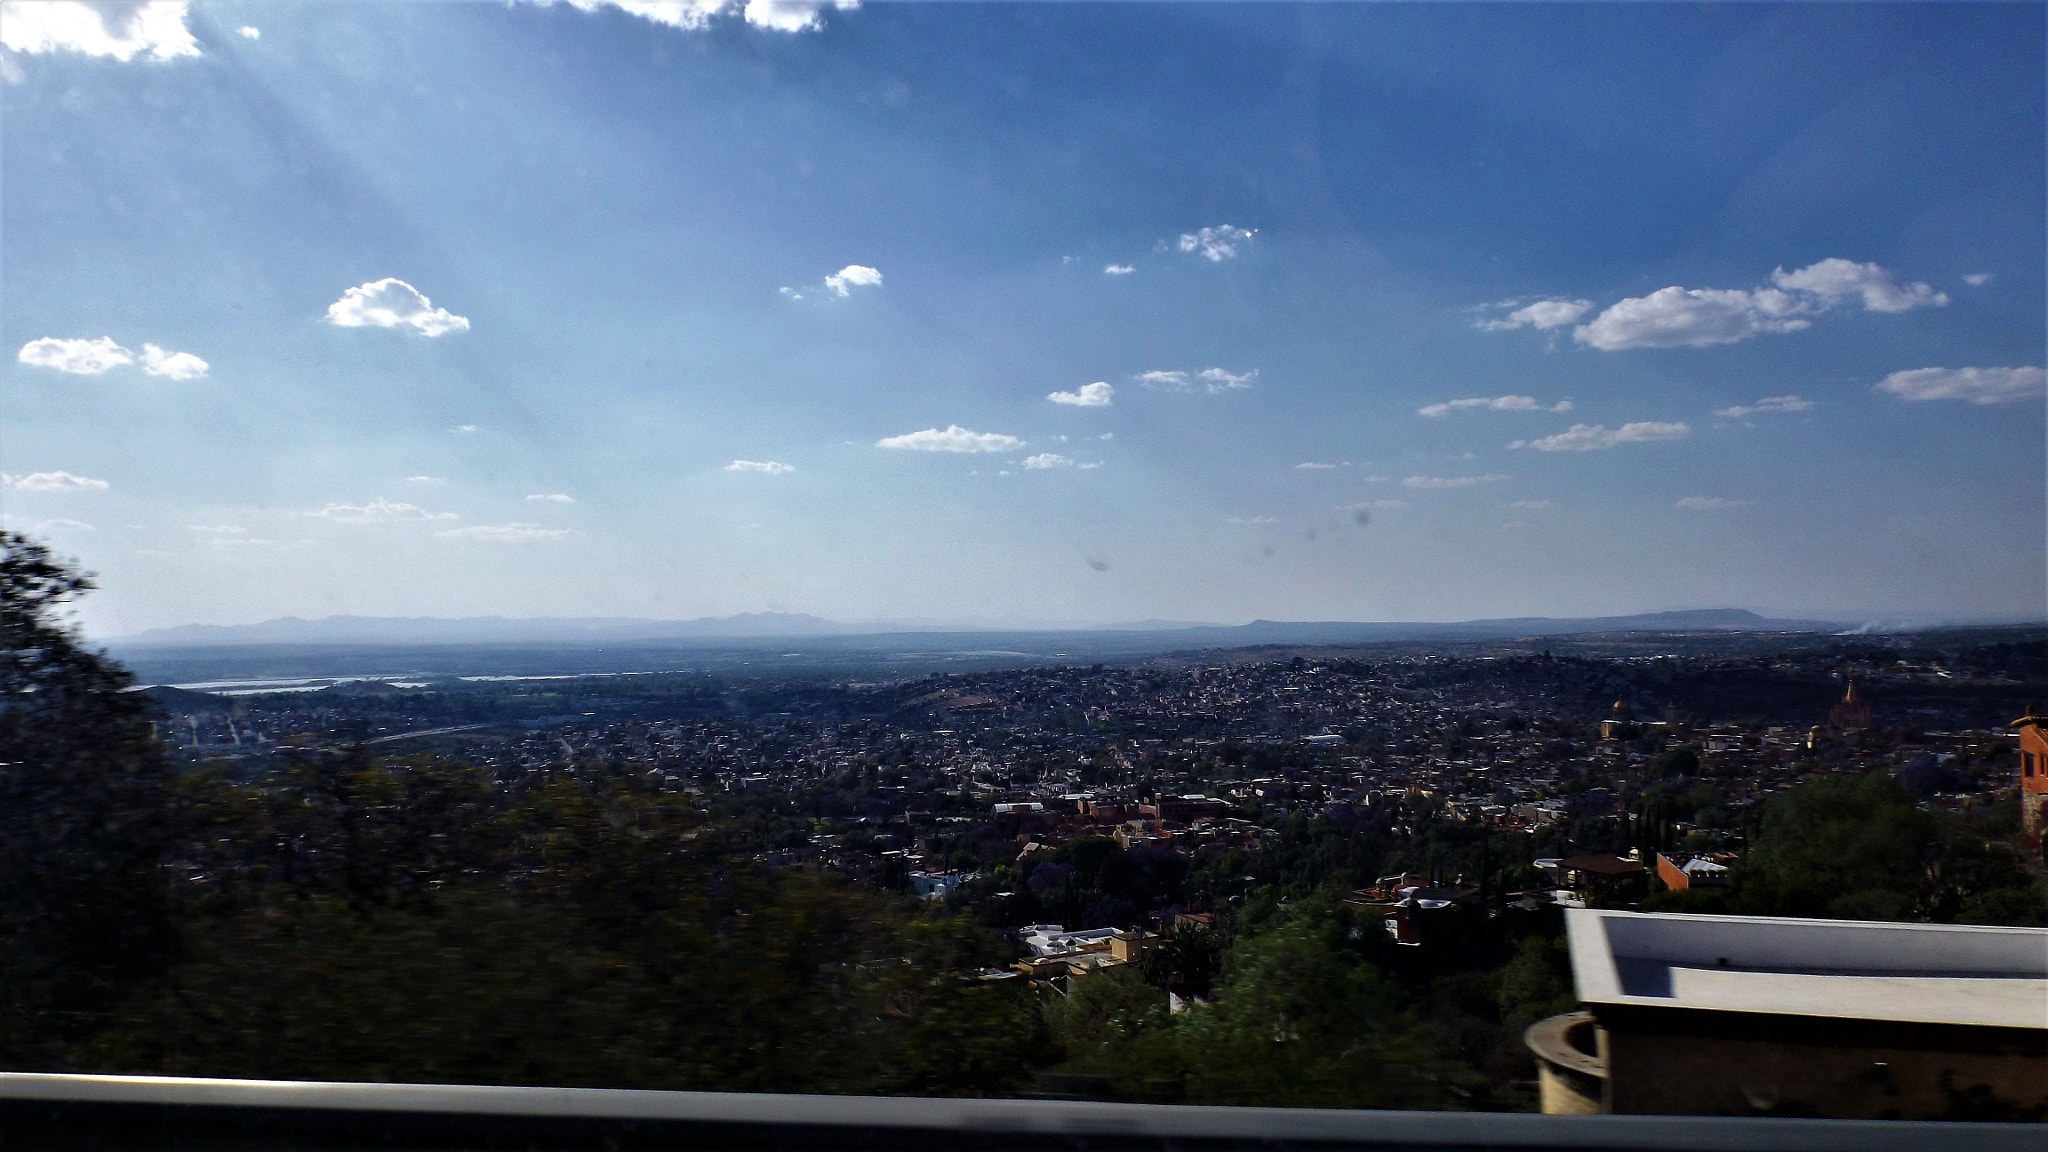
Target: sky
pixel 1044 311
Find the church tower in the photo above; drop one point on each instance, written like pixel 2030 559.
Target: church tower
pixel 1853 711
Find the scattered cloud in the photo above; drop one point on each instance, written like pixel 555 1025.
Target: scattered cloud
pixel 1096 395
pixel 1496 404
pixel 1450 481
pixel 172 365
pixel 1976 385
pixel 1314 466
pixel 1381 505
pixel 953 438
pixel 1550 313
pixel 1107 436
pixel 1210 380
pixel 1766 405
pixel 514 533
pixel 1836 279
pixel 52 482
pixel 424 479
pixel 93 357
pixel 770 467
pixel 1118 269
pixel 695 15
pixel 1214 244
pixel 552 498
pixel 60 524
pixel 78 357
pixel 1530 505
pixel 1978 279
pixel 1710 503
pixel 249 32
pixel 844 281
pixel 1589 437
pixel 463 429
pixel 1217 380
pixel 218 529
pixel 379 510
pixel 1048 460
pixel 392 303
pixel 121 32
pixel 1254 520
pixel 1678 317
pixel 1693 318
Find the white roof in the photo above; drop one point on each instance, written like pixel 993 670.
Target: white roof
pixel 1851 969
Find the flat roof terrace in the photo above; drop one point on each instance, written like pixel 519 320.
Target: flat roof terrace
pixel 1843 969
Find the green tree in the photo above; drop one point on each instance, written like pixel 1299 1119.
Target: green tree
pixel 82 785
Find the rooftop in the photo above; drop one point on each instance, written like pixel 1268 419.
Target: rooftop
pixel 1850 969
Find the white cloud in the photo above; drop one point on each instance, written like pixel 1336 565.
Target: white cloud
pixel 1836 279
pixel 1254 520
pixel 172 365
pixel 842 282
pixel 378 511
pixel 514 533
pixel 1767 404
pixel 1693 318
pixel 1382 505
pixel 60 524
pixel 769 467
pixel 392 303
pixel 1107 436
pixel 1496 404
pixel 1542 314
pixel 1530 505
pixel 78 357
pixel 218 529
pixel 1118 269
pixel 424 479
pixel 1449 481
pixel 953 438
pixel 1314 466
pixel 1217 380
pixel 53 482
pixel 1214 244
pixel 695 15
pixel 792 15
pixel 1096 395
pixel 552 498
pixel 120 31
pixel 1048 460
pixel 1211 380
pixel 1709 503
pixel 1978 279
pixel 463 429
pixel 249 32
pixel 1977 385
pixel 1678 317
pixel 1588 437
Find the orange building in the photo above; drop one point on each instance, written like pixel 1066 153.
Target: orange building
pixel 2033 773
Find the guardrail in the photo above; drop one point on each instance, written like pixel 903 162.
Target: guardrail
pixel 58 1112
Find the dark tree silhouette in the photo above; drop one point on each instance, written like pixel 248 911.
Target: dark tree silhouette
pixel 82 827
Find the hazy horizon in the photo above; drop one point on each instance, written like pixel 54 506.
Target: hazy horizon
pixel 1062 312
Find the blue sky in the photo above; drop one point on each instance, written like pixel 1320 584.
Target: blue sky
pixel 1057 311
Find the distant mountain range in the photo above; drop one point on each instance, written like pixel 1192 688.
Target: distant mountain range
pixel 586 631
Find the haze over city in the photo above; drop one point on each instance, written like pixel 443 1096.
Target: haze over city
pixel 1049 312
